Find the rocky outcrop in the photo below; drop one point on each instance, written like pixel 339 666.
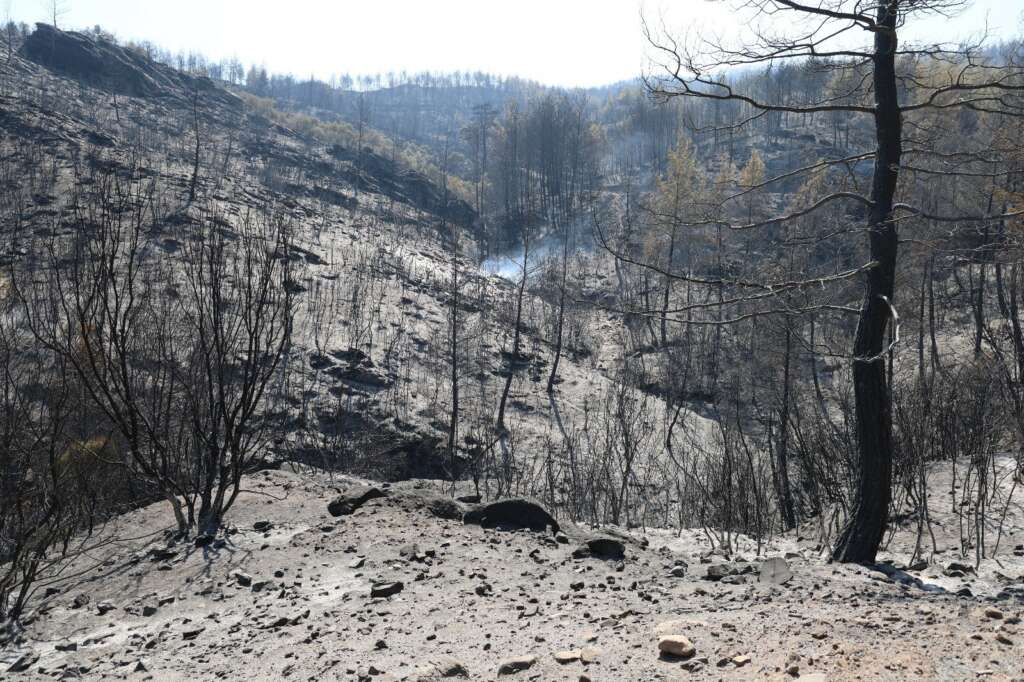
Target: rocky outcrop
pixel 102 63
pixel 372 172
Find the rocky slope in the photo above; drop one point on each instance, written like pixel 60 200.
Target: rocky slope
pixel 398 587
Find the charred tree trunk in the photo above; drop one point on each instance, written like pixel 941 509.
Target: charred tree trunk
pixel 195 164
pixel 560 329
pixel 513 364
pixel 785 490
pixel 862 536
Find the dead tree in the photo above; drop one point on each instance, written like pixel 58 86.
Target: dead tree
pixel 885 82
pixel 176 354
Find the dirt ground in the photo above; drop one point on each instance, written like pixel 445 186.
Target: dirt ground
pixel 293 601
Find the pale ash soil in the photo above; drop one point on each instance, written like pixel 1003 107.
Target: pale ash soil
pixel 474 598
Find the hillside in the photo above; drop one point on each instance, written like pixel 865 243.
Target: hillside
pixel 369 241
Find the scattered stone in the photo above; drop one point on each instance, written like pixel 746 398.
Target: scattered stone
pixel 23 662
pixel 775 572
pixel 104 607
pixel 452 668
pixel 242 578
pixel 285 621
pixel 956 569
pixel 353 499
pixel 66 646
pixel 444 669
pixel 740 661
pixel 192 633
pixel 993 613
pixel 386 589
pixel 262 526
pixel 149 610
pixel 515 665
pixel 80 601
pixel 410 552
pixel 590 654
pixel 468 499
pixel 719 571
pixel 568 656
pixel 163 553
pixel 676 645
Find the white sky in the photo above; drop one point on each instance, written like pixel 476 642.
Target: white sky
pixel 558 42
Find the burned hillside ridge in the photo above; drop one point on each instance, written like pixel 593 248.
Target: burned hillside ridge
pixel 246 162
pixel 96 61
pixel 103 64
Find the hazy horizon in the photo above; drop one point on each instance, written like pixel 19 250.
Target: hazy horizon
pixel 579 43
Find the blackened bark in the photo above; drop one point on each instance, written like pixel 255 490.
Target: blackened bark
pixel 785 490
pixel 516 337
pixel 862 536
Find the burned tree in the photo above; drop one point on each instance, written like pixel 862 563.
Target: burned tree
pixel 885 83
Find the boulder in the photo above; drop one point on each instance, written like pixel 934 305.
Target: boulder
pixel 518 512
pixel 676 645
pixel 600 547
pixel 352 499
pixel 514 665
pixel 386 589
pixel 719 571
pixel 775 572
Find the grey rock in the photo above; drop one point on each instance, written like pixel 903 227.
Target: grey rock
pixel 511 666
pixel 775 572
pixel 676 645
pixel 352 499
pixel 719 571
pixel 23 662
pixel 517 512
pixel 601 547
pixel 386 589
